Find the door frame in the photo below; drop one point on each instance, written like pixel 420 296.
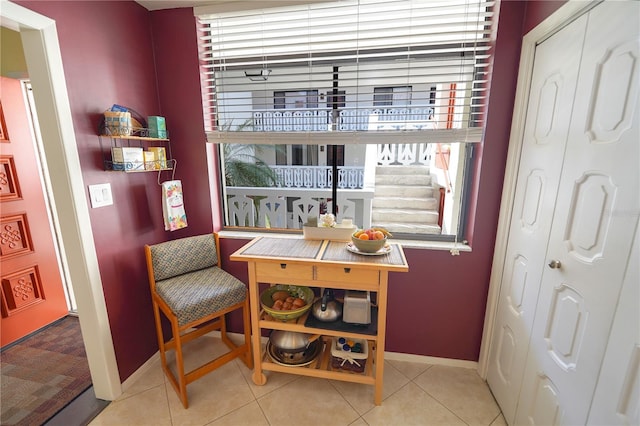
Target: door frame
pixel 44 62
pixel 556 21
pixel 32 116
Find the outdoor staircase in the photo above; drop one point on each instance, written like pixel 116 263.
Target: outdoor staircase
pixel 405 200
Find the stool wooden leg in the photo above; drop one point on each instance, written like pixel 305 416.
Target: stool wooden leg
pixel 182 380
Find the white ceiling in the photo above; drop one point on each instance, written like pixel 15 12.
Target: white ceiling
pixel 172 4
pixel 225 5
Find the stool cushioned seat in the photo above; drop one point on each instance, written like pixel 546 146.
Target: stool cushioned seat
pixel 191 297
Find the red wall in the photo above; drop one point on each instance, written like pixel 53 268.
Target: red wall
pixel 109 49
pixel 538 11
pixel 107 58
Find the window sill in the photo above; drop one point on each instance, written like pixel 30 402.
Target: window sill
pixel 412 244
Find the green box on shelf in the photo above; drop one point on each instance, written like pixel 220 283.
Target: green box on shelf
pixel 157 127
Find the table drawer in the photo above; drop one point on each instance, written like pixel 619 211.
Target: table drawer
pixel 346 274
pixel 285 272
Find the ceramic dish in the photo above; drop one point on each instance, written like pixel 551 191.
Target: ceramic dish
pixel 302 292
pixel 386 249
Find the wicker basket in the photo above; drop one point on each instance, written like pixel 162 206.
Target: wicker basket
pixel 347 360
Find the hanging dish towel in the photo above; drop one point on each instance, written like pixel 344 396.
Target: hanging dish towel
pixel 173 206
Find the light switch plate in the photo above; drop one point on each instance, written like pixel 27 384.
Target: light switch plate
pixel 100 195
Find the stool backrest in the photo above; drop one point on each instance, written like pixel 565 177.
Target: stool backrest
pixel 177 257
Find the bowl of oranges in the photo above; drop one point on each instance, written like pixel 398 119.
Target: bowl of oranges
pixel 370 240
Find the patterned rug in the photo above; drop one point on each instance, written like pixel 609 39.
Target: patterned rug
pixel 43 373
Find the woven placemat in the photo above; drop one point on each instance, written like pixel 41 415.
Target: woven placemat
pixel 284 247
pixel 337 251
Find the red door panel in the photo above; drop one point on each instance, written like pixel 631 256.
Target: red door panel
pixel 31 290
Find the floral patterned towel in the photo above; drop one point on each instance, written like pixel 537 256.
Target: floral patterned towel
pixel 173 206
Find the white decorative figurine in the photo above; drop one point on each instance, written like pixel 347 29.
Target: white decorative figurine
pixel 327 220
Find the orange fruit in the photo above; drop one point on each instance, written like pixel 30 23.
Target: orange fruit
pixel 364 236
pixel 378 235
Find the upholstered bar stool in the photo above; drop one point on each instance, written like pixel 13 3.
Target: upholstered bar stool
pixel 194 294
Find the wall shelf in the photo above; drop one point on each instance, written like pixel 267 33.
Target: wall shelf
pixel 110 144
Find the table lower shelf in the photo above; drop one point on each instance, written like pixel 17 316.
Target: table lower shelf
pixel 322 367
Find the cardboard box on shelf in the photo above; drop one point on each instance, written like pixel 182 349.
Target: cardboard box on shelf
pixel 127 158
pixel 117 123
pixel 150 160
pixel 160 156
pixel 157 127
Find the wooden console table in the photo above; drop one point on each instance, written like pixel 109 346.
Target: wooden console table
pixel 324 264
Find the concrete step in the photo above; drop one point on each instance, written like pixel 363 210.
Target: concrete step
pixel 410 228
pixel 404 200
pixel 405 203
pixel 403 180
pixel 403 191
pixel 427 217
pixel 402 170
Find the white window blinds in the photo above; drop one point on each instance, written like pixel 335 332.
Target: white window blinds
pixel 367 71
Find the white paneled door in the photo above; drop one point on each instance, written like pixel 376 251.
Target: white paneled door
pixel 545 135
pixel 575 215
pixel 617 397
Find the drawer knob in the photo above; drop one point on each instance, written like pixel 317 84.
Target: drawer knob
pixel 283 266
pixel 347 270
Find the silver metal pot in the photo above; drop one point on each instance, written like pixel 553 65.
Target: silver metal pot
pixel 291 341
pixel 297 358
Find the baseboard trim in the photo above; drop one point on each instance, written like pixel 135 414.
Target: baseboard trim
pixel 389 356
pixel 141 371
pixel 449 362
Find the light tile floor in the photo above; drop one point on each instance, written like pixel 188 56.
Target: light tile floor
pixel 413 394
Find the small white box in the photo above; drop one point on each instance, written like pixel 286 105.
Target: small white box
pixel 357 307
pixel 127 158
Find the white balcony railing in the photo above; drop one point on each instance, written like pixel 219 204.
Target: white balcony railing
pixel 413 117
pixel 292 207
pixel 405 154
pixel 295 120
pixel 318 177
pixel 407 118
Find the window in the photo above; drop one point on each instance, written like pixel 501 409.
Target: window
pixel 392 96
pixel 333 96
pixel 297 155
pixel 295 99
